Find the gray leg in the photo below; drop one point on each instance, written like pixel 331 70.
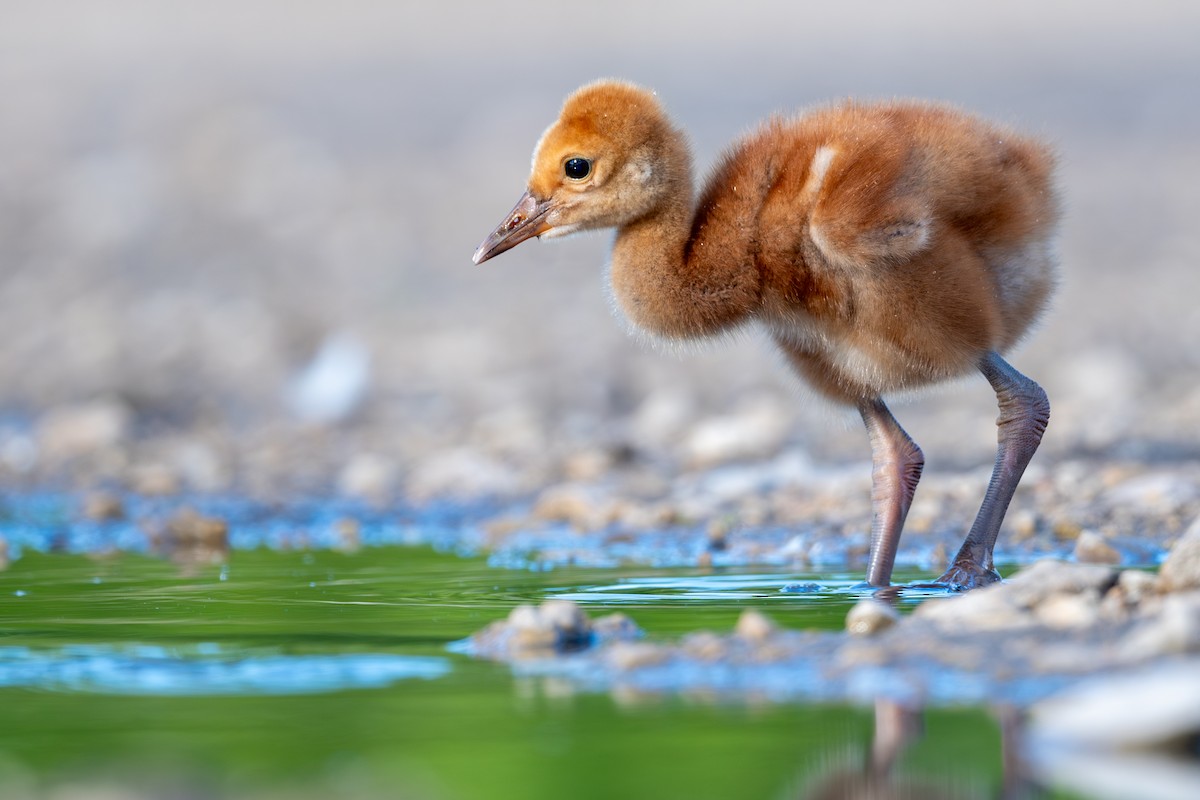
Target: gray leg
pixel 1024 412
pixel 897 463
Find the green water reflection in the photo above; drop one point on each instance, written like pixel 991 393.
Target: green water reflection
pixel 476 732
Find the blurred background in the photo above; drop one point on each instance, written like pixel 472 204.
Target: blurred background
pixel 235 237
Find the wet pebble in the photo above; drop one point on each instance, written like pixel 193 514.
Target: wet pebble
pixel 191 537
pixel 555 626
pixel 626 656
pixel 870 617
pixel 754 626
pixel 1091 548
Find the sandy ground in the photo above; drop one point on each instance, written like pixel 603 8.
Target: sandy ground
pixel 196 202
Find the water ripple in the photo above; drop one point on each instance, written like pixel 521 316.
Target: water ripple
pixel 205 669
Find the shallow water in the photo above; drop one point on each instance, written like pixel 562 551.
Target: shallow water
pixel 318 673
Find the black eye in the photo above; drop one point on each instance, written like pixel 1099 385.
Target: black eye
pixel 577 168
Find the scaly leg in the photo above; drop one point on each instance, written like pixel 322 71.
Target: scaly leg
pixel 1024 412
pixel 896 467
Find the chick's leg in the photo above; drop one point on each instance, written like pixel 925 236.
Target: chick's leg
pixel 896 467
pixel 1024 412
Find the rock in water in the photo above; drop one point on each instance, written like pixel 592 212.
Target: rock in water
pixel 870 617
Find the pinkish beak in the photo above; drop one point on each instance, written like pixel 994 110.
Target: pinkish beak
pixel 526 220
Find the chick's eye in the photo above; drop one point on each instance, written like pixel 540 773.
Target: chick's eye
pixel 577 168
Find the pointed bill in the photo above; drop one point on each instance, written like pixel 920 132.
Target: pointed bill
pixel 526 220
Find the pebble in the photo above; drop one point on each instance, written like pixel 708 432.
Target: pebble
pixel 616 627
pixel 870 617
pixel 1181 569
pixel 1173 630
pixel 986 609
pixel 1137 584
pixel 153 480
pixel 461 473
pixel 584 507
pixel 753 433
pixel 191 537
pixel 75 430
pixel 1068 611
pixel 103 507
pixel 625 656
pixel 1043 579
pixel 1091 548
pixel 754 626
pixel 349 534
pixel 368 476
pixel 556 626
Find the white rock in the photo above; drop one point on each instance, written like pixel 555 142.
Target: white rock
pixel 1068 611
pixel 989 608
pixel 869 617
pixel 754 626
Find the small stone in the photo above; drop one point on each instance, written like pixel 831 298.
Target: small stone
pixel 192 538
pixel 1181 569
pixel 1066 530
pixel 1090 548
pixel 103 507
pixel 989 608
pixel 524 616
pixel 718 534
pixel 756 431
pixel 348 533
pixel 584 507
pixel 587 465
pixel 556 624
pixel 754 626
pixel 534 638
pixel 1043 579
pixel 1175 630
pixel 566 616
pixel 1137 584
pixel 870 617
pixel 616 627
pixel 190 527
pixel 625 656
pixel 1024 524
pixel 1068 611
pixel 69 431
pixel 461 473
pixel 368 476
pixel 153 480
pixel 705 646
